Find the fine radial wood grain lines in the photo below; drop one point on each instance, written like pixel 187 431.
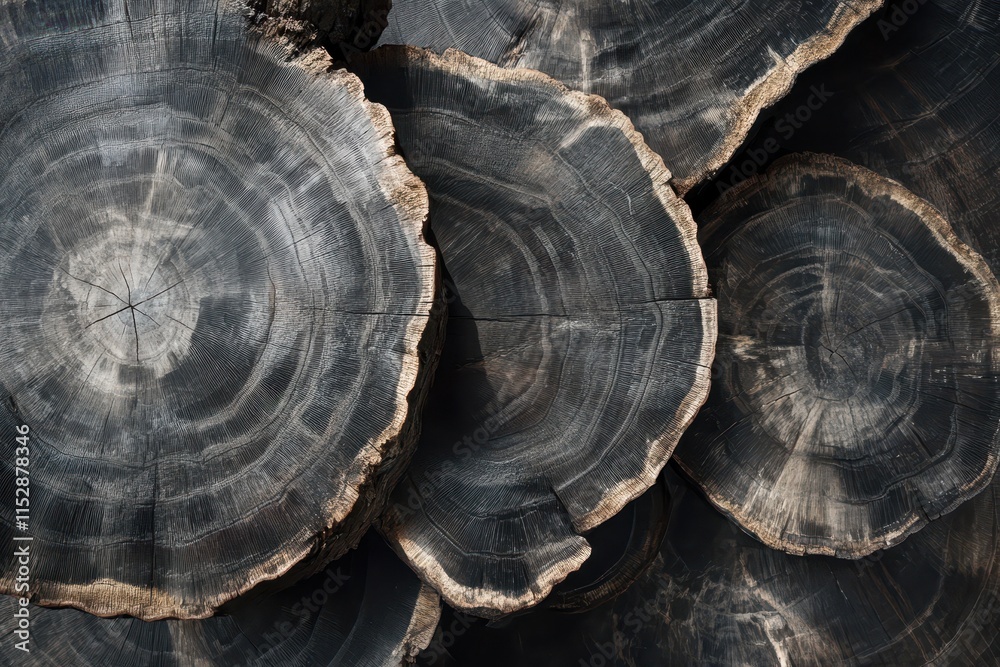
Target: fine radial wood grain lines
pixel 216 304
pixel 580 335
pixel 856 397
pixel 365 610
pixel 692 76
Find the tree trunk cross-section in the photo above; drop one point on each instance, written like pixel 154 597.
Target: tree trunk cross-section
pixel 581 332
pixel 365 610
pixel 692 76
pixel 215 304
pixel 857 395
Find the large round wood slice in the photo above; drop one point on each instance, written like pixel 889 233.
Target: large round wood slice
pixel 580 334
pixel 716 596
pixel 857 394
pixel 915 98
pixel 365 610
pixel 215 301
pixel 692 76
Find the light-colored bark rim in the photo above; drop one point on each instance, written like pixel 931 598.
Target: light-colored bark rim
pixel 489 602
pixel 775 84
pixel 874 185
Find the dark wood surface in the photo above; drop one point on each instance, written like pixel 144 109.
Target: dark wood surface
pixel 580 330
pixel 213 287
pixel 366 609
pixel 856 394
pixel 692 76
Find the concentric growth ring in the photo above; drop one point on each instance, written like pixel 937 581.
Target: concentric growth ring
pixel 856 395
pixel 214 286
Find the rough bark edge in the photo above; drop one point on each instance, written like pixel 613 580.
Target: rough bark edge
pixel 380 462
pixel 774 85
pixel 493 603
pixel 874 185
pixel 423 623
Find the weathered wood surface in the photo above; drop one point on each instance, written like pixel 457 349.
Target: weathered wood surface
pixel 215 301
pixel 717 597
pixel 692 76
pixel 580 333
pixel 365 610
pixel 856 395
pixel 916 99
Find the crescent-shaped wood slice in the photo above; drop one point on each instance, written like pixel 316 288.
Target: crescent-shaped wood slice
pixel 717 597
pixel 367 609
pixel 622 549
pixel 720 597
pixel 215 305
pixel 692 76
pixel 580 334
pixel 856 396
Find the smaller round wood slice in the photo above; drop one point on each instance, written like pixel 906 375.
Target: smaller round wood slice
pixel 365 610
pixel 580 331
pixel 856 394
pixel 692 76
pixel 216 303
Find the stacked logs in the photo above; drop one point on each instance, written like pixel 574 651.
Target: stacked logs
pixel 301 341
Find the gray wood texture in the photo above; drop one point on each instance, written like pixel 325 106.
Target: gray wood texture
pixel 580 333
pixel 919 104
pixel 365 610
pixel 855 395
pixel 215 302
pixel 692 76
pixel 717 597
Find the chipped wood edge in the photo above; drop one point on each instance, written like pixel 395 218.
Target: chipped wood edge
pixel 492 603
pixel 423 624
pixel 775 84
pixel 874 185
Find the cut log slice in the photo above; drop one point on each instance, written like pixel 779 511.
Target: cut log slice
pixel 692 76
pixel 580 333
pixel 720 597
pixel 216 302
pixel 367 609
pixel 857 395
pixel 916 100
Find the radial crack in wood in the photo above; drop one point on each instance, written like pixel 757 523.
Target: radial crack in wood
pixel 856 395
pixel 580 333
pixel 217 305
pixel 365 610
pixel 692 76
